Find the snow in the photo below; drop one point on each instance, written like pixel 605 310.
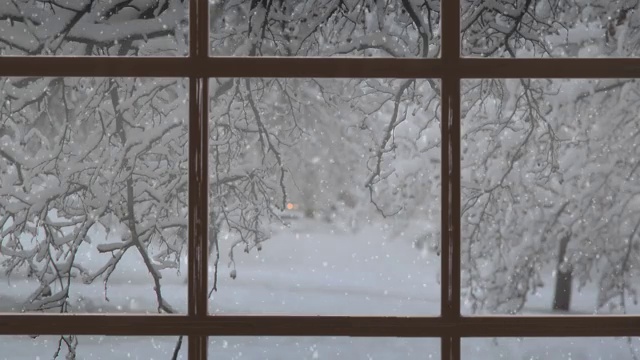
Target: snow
pixel 272 348
pixel 315 269
pixel 92 347
pixel 309 268
pixel 550 348
pixel 580 33
pixel 229 348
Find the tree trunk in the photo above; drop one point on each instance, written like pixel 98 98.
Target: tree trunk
pixel 564 276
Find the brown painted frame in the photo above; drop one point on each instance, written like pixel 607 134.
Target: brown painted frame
pixel 198 67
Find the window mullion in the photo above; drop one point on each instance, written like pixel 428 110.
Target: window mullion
pixel 450 127
pixel 198 175
pixel 450 247
pixel 198 199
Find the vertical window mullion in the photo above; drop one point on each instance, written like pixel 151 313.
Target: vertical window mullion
pixel 450 246
pixel 198 174
pixel 450 127
pixel 454 210
pixel 451 199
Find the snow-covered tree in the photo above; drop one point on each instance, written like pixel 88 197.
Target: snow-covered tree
pixel 86 153
pixel 328 145
pixel 549 166
pixel 394 28
pixel 261 130
pixel 91 165
pixel 94 27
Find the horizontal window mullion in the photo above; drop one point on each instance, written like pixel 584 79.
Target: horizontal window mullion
pixel 545 68
pixel 95 67
pixel 222 67
pixel 507 326
pixel 319 67
pixel 548 326
pixel 27 324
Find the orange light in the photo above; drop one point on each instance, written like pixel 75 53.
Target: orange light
pixel 289 206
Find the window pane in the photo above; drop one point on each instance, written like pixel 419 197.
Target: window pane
pixel 550 196
pixel 551 348
pixel 289 348
pixel 92 347
pixel 86 27
pixel 530 29
pixel 357 28
pixel 93 194
pixel 325 196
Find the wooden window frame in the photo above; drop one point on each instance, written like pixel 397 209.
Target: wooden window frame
pixel 197 324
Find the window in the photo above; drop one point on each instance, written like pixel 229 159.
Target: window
pixel 339 179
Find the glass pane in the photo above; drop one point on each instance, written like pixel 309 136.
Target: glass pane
pixel 298 347
pixel 92 347
pixel 93 194
pixel 325 196
pixel 551 348
pixel 567 28
pixel 393 28
pixel 550 196
pixel 99 28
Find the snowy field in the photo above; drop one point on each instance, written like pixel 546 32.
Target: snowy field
pixel 551 349
pixel 91 347
pixel 313 268
pixel 309 268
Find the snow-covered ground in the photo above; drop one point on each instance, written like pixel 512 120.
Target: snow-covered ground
pixel 551 349
pixel 343 348
pixel 310 268
pixel 92 348
pixel 313 268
